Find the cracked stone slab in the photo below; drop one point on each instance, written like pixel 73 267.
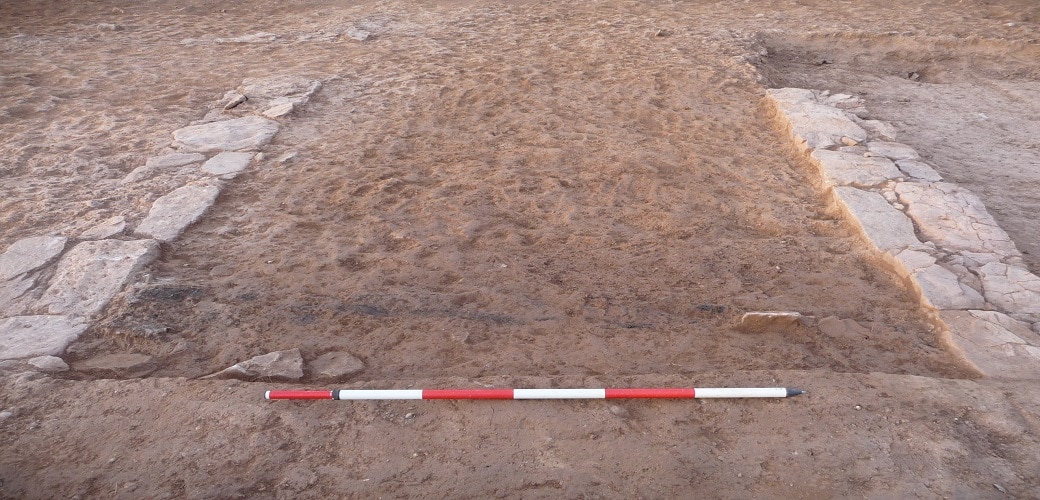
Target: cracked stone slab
pixel 31 336
pixel 893 150
pixel 13 298
pixel 106 229
pixel 172 214
pixel 246 133
pixel 996 344
pixel 157 163
pixel 879 129
pixel 277 90
pixel 919 170
pixel 1012 288
pixel 954 218
pixel 228 163
pixel 813 124
pixel 93 272
pixel 939 287
pixel 849 169
pixel 29 254
pixel 887 228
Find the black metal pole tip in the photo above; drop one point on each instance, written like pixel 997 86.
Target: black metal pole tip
pixel 794 392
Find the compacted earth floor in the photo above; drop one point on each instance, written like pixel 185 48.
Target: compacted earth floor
pixel 521 194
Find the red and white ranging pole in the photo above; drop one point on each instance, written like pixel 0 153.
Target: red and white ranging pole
pixel 632 393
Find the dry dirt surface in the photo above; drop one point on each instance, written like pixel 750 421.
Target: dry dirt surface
pixel 525 194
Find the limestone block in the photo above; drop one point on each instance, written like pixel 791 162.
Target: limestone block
pixel 294 89
pixel 120 364
pixel 13 299
pixel 247 133
pixel 997 345
pixel 49 364
pixel 919 170
pixel 279 365
pixel 279 109
pixel 110 227
pixel 90 274
pixel 846 169
pixel 31 336
pixel 30 254
pixel 163 162
pixel 954 218
pixel 879 129
pixel 887 228
pixel 173 213
pixel 228 163
pixel 814 125
pixel 1012 288
pixel 893 150
pixel 940 288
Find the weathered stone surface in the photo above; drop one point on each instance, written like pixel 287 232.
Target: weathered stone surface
pixel 919 170
pixel 173 213
pixel 259 37
pixel 29 254
pixel 762 321
pixel 158 163
pixel 879 129
pixel 277 90
pixel 893 150
pixel 279 365
pixel 90 274
pixel 846 169
pixel 279 110
pixel 110 227
pixel 247 133
pixel 940 288
pixel 358 34
pixel 227 163
pixel 996 344
pixel 49 364
pixel 122 364
pixel 814 125
pixel 1012 288
pixel 13 299
pixel 335 365
pixel 31 336
pixel 887 228
pixel 954 218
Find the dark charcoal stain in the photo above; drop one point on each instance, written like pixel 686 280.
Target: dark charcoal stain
pixel 171 293
pixel 712 309
pixel 368 310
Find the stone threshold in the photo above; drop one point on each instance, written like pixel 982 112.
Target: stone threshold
pixel 938 236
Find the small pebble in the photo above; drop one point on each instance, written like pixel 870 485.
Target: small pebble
pixel 6 414
pixel 858 407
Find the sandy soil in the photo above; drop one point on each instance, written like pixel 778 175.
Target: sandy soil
pixel 517 194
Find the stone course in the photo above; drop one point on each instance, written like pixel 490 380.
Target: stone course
pixel 936 235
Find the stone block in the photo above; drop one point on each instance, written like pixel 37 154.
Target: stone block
pixel 997 345
pixel 893 150
pixel 90 274
pixel 30 254
pixel 1011 288
pixel 847 169
pixel 108 228
pixel 247 133
pixel 335 366
pixel 279 365
pixel 814 125
pixel 918 170
pixel 158 163
pixel 228 163
pixel 172 214
pixel 954 218
pixel 31 336
pixel 887 228
pixel 49 364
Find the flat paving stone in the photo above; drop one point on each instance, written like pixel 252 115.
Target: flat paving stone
pixel 246 133
pixel 90 274
pixel 887 228
pixel 170 215
pixel 940 288
pixel 227 163
pixel 110 227
pixel 158 163
pixel 954 218
pixel 13 299
pixel 893 150
pixel 849 169
pixel 814 125
pixel 31 336
pixel 30 254
pixel 49 364
pixel 996 344
pixel 919 170
pixel 1014 289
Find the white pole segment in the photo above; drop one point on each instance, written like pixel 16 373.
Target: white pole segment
pixel 745 392
pixel 559 393
pixel 379 394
